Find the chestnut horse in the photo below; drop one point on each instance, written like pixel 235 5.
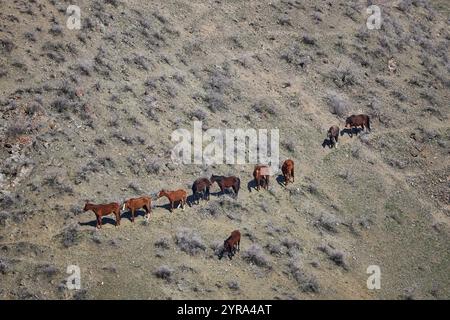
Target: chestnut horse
pixel 227 182
pixel 288 171
pixel 177 195
pixel 200 190
pixel 232 244
pixel 360 120
pixel 138 203
pixel 261 175
pixel 333 135
pixel 101 210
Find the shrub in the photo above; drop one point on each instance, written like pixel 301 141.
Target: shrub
pixel 265 106
pixel 189 241
pixel 6 46
pixel 337 256
pixel 329 222
pixel 5 267
pixel 164 272
pixel 255 255
pixel 337 105
pixel 308 283
pixel 56 29
pixel 233 285
pixel 163 243
pixel 70 236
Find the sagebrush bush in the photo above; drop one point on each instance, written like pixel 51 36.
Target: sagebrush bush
pixel 255 255
pixel 308 283
pixel 337 105
pixel 163 243
pixel 189 241
pixel 337 256
pixel 164 272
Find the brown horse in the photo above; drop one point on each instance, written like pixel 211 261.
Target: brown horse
pixel 288 171
pixel 101 210
pixel 333 135
pixel 173 196
pixel 231 244
pixel 261 175
pixel 200 189
pixel 227 182
pixel 360 120
pixel 138 203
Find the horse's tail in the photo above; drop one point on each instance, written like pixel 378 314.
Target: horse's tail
pixel 368 123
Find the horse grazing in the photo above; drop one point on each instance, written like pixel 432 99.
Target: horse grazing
pixel 138 203
pixel 333 135
pixel 232 244
pixel 173 196
pixel 261 175
pixel 360 120
pixel 101 210
pixel 227 182
pixel 200 189
pixel 288 171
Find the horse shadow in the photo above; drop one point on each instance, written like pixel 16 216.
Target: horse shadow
pixel 280 180
pixel 137 213
pixel 168 207
pixel 327 143
pixel 251 184
pixel 350 131
pixel 93 223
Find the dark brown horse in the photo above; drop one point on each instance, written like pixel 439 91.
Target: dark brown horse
pixel 227 182
pixel 101 210
pixel 173 196
pixel 355 121
pixel 288 171
pixel 333 135
pixel 138 203
pixel 231 244
pixel 261 176
pixel 200 190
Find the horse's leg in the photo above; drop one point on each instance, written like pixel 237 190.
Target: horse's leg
pixel 132 215
pixel 336 139
pixel 171 205
pixel 183 201
pixel 117 214
pixel 99 221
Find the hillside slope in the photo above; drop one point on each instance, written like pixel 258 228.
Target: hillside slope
pixel 88 115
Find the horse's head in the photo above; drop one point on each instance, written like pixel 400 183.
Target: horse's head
pixel 126 204
pixel 163 192
pixel 213 178
pixel 86 206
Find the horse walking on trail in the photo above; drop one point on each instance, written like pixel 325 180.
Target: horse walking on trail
pixel 333 136
pixel 288 171
pixel 200 190
pixel 227 182
pixel 101 210
pixel 173 196
pixel 231 244
pixel 138 203
pixel 261 176
pixel 355 121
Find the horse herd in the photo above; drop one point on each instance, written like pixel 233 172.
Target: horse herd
pixel 201 188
